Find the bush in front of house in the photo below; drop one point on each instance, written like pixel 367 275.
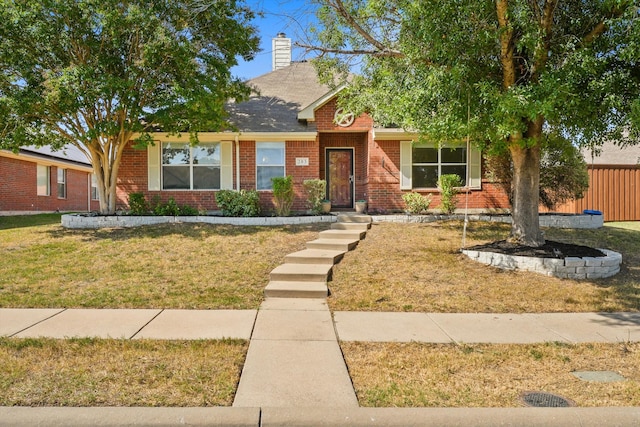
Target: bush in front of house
pixel 416 203
pixel 283 194
pixel 238 203
pixel 316 192
pixel 138 204
pixel 448 185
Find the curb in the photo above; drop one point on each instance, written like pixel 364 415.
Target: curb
pixel 266 417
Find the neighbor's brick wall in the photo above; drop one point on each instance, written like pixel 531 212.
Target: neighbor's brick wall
pixel 18 189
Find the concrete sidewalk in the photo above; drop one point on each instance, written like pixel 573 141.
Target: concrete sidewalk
pixel 284 319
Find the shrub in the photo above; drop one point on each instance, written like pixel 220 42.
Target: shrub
pixel 315 189
pixel 171 208
pixel 138 204
pixel 448 184
pixel 416 203
pixel 283 194
pixel 238 203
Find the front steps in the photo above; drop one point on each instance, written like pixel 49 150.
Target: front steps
pixel 305 273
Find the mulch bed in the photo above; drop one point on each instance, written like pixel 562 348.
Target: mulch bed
pixel 550 249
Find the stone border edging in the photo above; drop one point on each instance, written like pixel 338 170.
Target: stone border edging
pixel 547 220
pixel 567 268
pixel 80 221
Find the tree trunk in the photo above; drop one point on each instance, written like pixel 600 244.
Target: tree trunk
pixel 525 228
pixel 105 167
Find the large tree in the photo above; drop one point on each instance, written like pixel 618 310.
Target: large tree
pixel 504 72
pixel 98 73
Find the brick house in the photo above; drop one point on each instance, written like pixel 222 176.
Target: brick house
pixel 292 126
pixel 42 180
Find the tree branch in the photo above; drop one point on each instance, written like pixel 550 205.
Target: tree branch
pixel 387 53
pixel 601 26
pixel 383 50
pixel 506 45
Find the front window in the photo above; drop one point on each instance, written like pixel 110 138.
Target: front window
pixel 190 168
pixel 429 162
pixel 62 183
pixel 43 180
pixel 269 163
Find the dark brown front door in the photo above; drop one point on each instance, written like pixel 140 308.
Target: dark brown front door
pixel 340 177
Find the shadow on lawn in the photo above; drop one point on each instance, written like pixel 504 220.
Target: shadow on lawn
pixel 24 221
pixel 197 231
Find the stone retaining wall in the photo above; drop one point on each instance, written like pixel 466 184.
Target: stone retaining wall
pixel 554 221
pixel 567 268
pixel 88 221
pixel 81 221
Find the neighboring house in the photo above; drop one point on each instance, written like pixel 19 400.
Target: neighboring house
pixel 292 126
pixel 42 180
pixel 614 178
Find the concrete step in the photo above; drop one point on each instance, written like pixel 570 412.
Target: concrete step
pixel 296 290
pixel 361 226
pixel 342 234
pixel 301 273
pixel 357 218
pixel 314 256
pixel 344 245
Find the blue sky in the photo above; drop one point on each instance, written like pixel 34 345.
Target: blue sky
pixel 291 17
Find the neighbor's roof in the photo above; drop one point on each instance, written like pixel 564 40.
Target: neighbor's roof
pixel 281 95
pixel 68 153
pixel 611 154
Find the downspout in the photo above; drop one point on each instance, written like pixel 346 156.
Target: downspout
pixel 89 192
pixel 237 163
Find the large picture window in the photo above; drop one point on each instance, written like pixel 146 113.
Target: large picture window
pixel 422 164
pixel 431 162
pixel 269 163
pixel 190 168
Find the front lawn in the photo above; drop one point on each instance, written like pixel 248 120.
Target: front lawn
pixel 419 267
pixel 190 266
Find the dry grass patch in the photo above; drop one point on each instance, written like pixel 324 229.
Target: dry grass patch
pixel 419 267
pixel 446 375
pixel 190 266
pixel 93 372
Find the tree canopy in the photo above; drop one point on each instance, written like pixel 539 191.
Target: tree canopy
pixel 97 73
pixel 505 72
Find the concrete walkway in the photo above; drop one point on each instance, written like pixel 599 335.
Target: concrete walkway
pixel 308 319
pixel 294 373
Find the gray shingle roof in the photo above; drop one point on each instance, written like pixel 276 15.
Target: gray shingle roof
pixel 281 95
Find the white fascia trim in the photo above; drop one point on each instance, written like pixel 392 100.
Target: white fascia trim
pixel 393 134
pixel 308 113
pixel 242 136
pixel 46 161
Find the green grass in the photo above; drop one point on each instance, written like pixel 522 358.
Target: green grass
pixel 627 225
pixel 190 266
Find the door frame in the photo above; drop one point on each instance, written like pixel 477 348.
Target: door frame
pixel 352 178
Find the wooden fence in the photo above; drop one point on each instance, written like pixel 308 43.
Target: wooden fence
pixel 614 190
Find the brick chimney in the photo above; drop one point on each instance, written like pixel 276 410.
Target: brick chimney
pixel 281 48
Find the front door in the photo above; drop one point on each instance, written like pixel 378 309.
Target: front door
pixel 339 170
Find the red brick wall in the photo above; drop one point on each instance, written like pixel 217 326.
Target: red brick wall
pixel 133 176
pixel 384 184
pixel 324 120
pixel 18 189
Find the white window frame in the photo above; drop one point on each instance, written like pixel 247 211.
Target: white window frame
pixel 95 195
pixel 62 183
pixel 283 165
pixel 43 180
pixel 191 166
